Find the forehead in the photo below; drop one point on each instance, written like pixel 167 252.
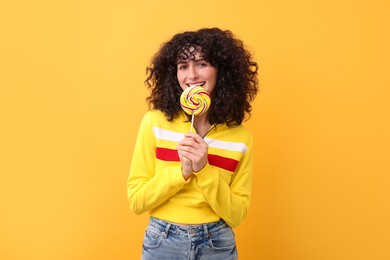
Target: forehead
pixel 189 52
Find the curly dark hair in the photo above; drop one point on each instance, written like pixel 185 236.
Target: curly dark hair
pixel 237 82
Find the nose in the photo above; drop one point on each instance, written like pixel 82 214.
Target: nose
pixel 192 72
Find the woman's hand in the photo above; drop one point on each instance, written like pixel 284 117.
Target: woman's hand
pixel 186 166
pixel 194 149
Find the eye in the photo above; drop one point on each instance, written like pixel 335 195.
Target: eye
pixel 182 66
pixel 202 64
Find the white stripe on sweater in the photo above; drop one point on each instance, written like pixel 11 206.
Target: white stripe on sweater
pixel 214 143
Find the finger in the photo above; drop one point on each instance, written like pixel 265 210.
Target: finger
pixel 188 145
pixel 187 142
pixel 196 143
pixel 184 155
pixel 192 152
pixel 196 138
pixel 185 162
pixel 194 158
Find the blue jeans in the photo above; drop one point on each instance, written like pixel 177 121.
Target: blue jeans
pixel 166 241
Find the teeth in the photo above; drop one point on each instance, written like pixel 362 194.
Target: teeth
pixel 193 85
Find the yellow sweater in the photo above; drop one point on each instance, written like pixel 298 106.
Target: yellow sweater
pixel 221 189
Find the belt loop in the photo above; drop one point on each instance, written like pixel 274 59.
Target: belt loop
pixel 165 233
pixel 206 231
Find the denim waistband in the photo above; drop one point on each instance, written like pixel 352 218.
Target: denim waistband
pixel 188 230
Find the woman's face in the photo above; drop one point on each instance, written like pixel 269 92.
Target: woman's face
pixel 196 71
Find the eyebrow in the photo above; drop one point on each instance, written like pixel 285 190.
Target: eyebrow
pixel 186 60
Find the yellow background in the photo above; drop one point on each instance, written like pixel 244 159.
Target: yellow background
pixel 72 97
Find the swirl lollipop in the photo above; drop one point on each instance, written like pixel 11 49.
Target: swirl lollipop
pixel 195 100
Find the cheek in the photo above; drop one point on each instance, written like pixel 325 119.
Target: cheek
pixel 180 80
pixel 179 76
pixel 213 78
pixel 212 74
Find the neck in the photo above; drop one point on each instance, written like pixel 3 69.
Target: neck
pixel 202 124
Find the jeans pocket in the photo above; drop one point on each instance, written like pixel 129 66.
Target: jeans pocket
pixel 153 238
pixel 223 239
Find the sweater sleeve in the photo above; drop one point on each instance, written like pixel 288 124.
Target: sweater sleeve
pixel 229 200
pixel 146 188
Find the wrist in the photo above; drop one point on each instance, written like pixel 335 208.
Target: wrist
pixel 201 168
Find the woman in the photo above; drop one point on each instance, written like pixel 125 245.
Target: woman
pixel 195 186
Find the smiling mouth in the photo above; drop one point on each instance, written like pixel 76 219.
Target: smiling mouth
pixel 196 84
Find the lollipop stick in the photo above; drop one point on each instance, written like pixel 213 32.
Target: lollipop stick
pixel 192 122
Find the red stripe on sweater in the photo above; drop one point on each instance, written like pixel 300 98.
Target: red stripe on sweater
pixel 228 164
pixel 166 154
pixel 171 155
